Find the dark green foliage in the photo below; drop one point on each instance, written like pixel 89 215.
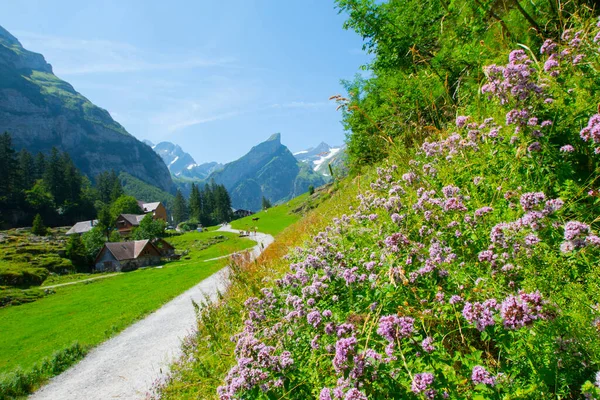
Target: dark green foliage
pixel 267 204
pixel 311 190
pixel 52 187
pixel 187 226
pixel 38 227
pixel 108 186
pixel 93 241
pixel 77 253
pixel 124 205
pixel 195 203
pixel 180 210
pixel 149 228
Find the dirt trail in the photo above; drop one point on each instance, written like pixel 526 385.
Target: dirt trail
pixel 125 366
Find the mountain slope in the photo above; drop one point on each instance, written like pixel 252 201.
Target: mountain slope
pixel 268 169
pixel 40 111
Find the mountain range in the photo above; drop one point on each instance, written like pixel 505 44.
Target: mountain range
pixel 319 158
pixel 42 111
pixel 269 169
pixel 180 163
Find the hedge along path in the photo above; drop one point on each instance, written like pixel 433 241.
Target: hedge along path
pixel 126 366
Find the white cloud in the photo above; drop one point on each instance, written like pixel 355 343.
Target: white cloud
pixel 72 56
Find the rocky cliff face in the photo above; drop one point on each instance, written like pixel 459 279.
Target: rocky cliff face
pixel 40 111
pixel 270 170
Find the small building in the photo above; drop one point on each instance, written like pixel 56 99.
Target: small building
pixel 127 256
pixel 126 222
pixel 157 209
pixel 240 213
pixel 82 227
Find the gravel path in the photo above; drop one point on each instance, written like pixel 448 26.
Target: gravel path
pixel 81 281
pixel 125 366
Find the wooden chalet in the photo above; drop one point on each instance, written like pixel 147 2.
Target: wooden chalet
pixel 157 209
pixel 126 222
pixel 127 256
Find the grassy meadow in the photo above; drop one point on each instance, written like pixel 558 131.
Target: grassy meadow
pixel 91 312
pixel 275 219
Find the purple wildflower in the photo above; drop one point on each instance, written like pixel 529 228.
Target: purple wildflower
pixel 314 318
pixel 480 314
pixel 427 344
pixel 461 120
pixel 567 148
pixel 421 382
pixel 481 375
pixel 392 327
pixel 530 200
pixel 520 311
pixel 344 349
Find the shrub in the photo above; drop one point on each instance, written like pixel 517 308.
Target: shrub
pixel 188 225
pixel 38 227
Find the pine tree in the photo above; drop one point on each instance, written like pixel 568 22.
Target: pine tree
pixel 54 177
pixel 40 166
pixel 266 203
pixel 195 203
pixel 180 211
pixel 8 171
pixel 27 169
pixel 38 227
pixel 207 206
pixel 117 189
pixel 76 252
pixel 72 180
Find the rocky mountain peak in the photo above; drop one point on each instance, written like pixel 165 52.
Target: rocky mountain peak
pixel 276 137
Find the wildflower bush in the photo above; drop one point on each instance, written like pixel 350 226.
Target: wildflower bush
pixel 469 269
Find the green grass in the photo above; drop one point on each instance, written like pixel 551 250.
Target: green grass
pixel 275 219
pixel 197 241
pixel 91 312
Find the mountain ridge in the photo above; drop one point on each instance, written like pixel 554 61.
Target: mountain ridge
pixel 269 169
pixel 42 111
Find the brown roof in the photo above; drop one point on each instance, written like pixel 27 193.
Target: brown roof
pixel 133 219
pixel 127 250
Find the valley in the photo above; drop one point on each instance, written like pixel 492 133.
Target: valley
pixel 447 245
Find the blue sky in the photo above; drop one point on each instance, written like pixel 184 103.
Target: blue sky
pixel 216 77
